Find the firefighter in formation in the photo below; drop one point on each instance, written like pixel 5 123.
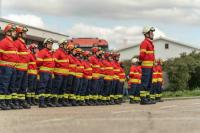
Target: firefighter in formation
pixel 68 76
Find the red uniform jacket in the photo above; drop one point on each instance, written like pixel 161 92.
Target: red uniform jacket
pixel 159 73
pixel 108 70
pixel 8 53
pixel 155 75
pixel 23 54
pixel 32 67
pixel 45 61
pixel 135 75
pixel 147 53
pixel 87 72
pixel 95 67
pixel 79 68
pixel 72 65
pixel 61 62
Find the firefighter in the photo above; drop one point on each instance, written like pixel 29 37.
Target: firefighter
pixel 160 81
pixel 147 59
pixel 21 82
pixel 120 73
pixel 154 85
pixel 107 93
pixel 8 60
pixel 32 75
pixel 94 60
pixel 134 81
pixel 77 82
pixel 61 72
pixel 87 77
pixel 45 63
pixel 72 73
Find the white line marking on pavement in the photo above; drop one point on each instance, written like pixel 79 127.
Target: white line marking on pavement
pixel 196 103
pixel 166 107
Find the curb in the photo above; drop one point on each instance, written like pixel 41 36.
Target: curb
pixel 180 98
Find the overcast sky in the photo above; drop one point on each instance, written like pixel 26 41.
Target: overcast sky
pixel 117 21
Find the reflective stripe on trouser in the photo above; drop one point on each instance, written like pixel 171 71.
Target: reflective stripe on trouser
pixel 69 87
pixel 119 89
pixel 107 89
pixel 59 85
pixel 76 85
pixel 44 85
pixel 7 82
pixel 153 89
pixel 159 90
pixel 32 80
pixel 146 79
pixel 21 83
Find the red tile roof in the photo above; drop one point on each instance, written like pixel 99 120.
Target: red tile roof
pixel 89 42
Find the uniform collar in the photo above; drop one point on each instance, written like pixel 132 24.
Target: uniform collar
pixel 21 40
pixel 9 38
pixel 149 40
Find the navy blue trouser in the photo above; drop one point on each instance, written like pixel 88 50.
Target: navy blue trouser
pixel 107 88
pixel 76 85
pixel 7 81
pixel 69 87
pixel 59 84
pixel 101 86
pixel 89 90
pixel 95 86
pixel 113 87
pixel 84 89
pixel 133 89
pixel 159 88
pixel 146 79
pixel 154 88
pixel 32 80
pixel 21 82
pixel 44 85
pixel 120 87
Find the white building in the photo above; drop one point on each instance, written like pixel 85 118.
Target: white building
pixel 35 35
pixel 164 48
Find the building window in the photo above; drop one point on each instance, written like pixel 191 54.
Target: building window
pixel 166 46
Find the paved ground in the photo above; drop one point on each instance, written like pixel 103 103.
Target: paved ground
pixel 181 116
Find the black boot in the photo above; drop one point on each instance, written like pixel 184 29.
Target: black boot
pixel 11 104
pixel 24 104
pixel 49 103
pixel 112 101
pixel 3 105
pixel 74 102
pixel 55 102
pixel 28 99
pixel 42 102
pixel 132 101
pixel 33 101
pixel 144 101
pixel 66 102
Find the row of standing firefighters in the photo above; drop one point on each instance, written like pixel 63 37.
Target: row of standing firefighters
pixel 67 76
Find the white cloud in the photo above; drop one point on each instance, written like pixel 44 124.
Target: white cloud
pixel 118 37
pixel 173 11
pixel 28 19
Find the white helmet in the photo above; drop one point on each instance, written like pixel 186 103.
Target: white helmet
pixel 62 41
pixel 134 60
pixel 146 29
pixel 55 46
